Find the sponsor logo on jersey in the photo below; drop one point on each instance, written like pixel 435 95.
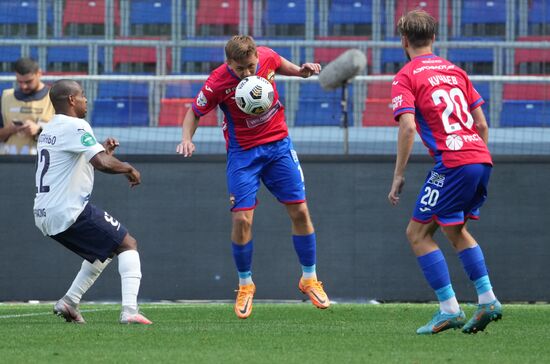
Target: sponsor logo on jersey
pixel 437 179
pixel 424 209
pixel 264 118
pixel 270 76
pixel 207 88
pixel 397 101
pixel 441 67
pixel 87 140
pixel 47 139
pixel 454 142
pixel 201 100
pixel 39 212
pixel 230 90
pixel 395 83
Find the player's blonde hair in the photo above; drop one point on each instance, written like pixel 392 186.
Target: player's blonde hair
pixel 240 47
pixel 418 27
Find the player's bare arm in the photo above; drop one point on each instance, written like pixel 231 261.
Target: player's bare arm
pixel 106 163
pixel 190 125
pixel 481 124
pixel 110 144
pixel 405 141
pixel 8 130
pixel 288 68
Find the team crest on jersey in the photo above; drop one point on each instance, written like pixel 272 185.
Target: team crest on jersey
pixel 87 140
pixel 437 179
pixel 201 100
pixel 270 76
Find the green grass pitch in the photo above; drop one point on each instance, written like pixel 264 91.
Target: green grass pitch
pixel 275 333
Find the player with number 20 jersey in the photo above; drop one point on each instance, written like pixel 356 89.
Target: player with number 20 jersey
pixel 441 96
pixel 436 98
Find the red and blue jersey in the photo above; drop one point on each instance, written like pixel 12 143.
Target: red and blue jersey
pixel 243 131
pixel 441 96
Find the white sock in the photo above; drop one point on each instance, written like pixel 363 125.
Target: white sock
pixel 85 278
pixel 449 306
pixel 486 297
pixel 129 268
pixel 245 281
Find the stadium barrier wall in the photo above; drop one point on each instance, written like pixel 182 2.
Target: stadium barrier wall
pixel 180 217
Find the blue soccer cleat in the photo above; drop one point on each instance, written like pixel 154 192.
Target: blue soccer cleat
pixel 484 314
pixel 441 322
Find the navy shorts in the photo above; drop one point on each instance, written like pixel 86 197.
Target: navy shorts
pixel 94 235
pixel 450 196
pixel 275 164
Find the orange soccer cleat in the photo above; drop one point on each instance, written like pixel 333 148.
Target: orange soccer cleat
pixel 243 303
pixel 314 289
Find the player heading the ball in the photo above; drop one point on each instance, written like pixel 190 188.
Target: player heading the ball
pixel 259 148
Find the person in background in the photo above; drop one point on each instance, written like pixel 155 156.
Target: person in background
pixel 24 110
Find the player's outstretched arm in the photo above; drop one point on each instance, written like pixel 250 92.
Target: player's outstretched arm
pixel 288 68
pixel 481 124
pixel 405 142
pixel 108 164
pixel 190 125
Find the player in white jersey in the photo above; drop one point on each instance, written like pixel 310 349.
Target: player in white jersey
pixel 67 155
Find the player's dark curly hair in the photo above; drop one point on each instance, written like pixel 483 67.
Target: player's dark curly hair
pixel 240 47
pixel 418 27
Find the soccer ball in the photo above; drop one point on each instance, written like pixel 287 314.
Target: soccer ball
pixel 254 95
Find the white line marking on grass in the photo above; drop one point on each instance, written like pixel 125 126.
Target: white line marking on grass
pixel 45 313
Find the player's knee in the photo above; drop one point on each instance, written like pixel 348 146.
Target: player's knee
pixel 413 236
pixel 242 222
pixel 300 214
pixel 129 243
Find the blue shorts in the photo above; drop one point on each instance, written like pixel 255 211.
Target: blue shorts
pixel 94 235
pixel 275 164
pixel 450 196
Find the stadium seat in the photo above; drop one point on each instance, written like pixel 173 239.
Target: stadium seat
pixel 472 60
pixel 139 59
pixel 318 107
pixel 319 112
pixel 378 112
pixel 393 58
pixel 285 18
pixel 122 90
pixel 172 112
pixel 152 17
pixel 120 112
pixel 483 18
pixel 538 17
pixel 202 59
pixel 182 90
pixel 351 17
pixel 379 90
pixel 532 60
pixel 4 85
pixel 20 17
pixel 525 113
pixel 87 17
pixel 220 17
pixel 325 55
pixel 70 59
pixel 526 91
pixel 430 6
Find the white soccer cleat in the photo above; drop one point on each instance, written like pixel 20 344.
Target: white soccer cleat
pixel 134 318
pixel 69 312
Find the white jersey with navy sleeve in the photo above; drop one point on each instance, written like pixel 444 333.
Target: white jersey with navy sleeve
pixel 64 176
